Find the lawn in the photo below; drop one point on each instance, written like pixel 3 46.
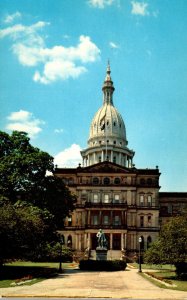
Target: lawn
pixel 27 273
pixel 164 273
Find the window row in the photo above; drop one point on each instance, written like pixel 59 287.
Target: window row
pixel 145 200
pixel 106 220
pixel 148 181
pixel 145 221
pixel 106 198
pixel 106 180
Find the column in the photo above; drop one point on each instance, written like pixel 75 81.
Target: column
pixel 89 217
pixel 85 241
pixel 111 240
pixel 94 162
pixel 76 241
pixel 89 243
pixel 102 156
pixel 88 162
pixel 125 241
pixel 100 217
pixel 122 241
pixel 112 155
pixel 111 217
pixel 120 159
pixel 122 217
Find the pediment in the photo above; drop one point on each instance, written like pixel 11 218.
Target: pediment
pixel 105 167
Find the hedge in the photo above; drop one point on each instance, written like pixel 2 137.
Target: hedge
pixel 102 265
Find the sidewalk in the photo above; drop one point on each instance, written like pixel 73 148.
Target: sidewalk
pixel 77 283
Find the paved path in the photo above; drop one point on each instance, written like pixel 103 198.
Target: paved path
pixel 76 283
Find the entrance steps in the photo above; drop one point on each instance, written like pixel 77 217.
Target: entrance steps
pixel 111 254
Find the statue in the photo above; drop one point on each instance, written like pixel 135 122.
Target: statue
pixel 101 239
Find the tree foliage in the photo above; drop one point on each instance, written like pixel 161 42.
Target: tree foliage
pixel 32 205
pixel 23 177
pixel 171 246
pixel 24 229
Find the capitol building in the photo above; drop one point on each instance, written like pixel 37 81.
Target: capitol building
pixel 112 194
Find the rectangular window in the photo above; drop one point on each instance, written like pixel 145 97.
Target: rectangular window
pixel 116 198
pixel 141 221
pixel 105 220
pixel 141 200
pixel 117 220
pixel 95 220
pixel 106 198
pixel 149 220
pixel 95 198
pixel 149 200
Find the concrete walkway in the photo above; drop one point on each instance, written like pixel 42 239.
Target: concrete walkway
pixel 76 283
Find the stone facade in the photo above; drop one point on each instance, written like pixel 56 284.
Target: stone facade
pixel 123 202
pixel 112 194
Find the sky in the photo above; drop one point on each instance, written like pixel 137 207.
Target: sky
pixel 53 58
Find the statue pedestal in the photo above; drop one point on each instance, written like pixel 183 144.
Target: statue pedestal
pixel 101 253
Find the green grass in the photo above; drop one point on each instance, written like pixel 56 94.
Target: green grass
pixel 154 267
pixel 28 273
pixel 168 276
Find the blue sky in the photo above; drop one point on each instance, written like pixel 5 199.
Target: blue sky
pixel 53 57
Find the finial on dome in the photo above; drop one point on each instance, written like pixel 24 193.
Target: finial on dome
pixel 108 87
pixel 108 67
pixel 108 71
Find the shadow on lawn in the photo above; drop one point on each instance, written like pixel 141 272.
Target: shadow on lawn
pixel 16 272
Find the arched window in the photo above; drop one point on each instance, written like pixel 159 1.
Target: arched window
pixel 69 241
pixel 117 180
pixel 149 181
pixel 149 241
pixel 106 180
pixel 95 180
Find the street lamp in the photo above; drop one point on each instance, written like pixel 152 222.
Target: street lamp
pixel 140 240
pixel 60 258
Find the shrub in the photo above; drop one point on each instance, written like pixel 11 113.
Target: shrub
pixel 102 265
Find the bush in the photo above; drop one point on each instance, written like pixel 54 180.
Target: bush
pixel 55 252
pixel 181 270
pixel 102 265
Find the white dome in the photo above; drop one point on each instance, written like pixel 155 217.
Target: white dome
pixel 107 139
pixel 111 119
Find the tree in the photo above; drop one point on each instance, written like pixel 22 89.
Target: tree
pixel 32 205
pixel 23 177
pixel 171 246
pixel 24 230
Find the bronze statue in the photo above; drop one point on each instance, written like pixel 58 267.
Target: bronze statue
pixel 101 239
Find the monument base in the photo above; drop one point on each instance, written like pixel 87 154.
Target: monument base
pixel 101 253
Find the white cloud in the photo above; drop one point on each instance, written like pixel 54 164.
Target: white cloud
pixel 24 121
pixel 11 18
pixel 59 62
pixel 100 3
pixel 69 157
pixel 113 45
pixel 139 8
pixel 59 130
